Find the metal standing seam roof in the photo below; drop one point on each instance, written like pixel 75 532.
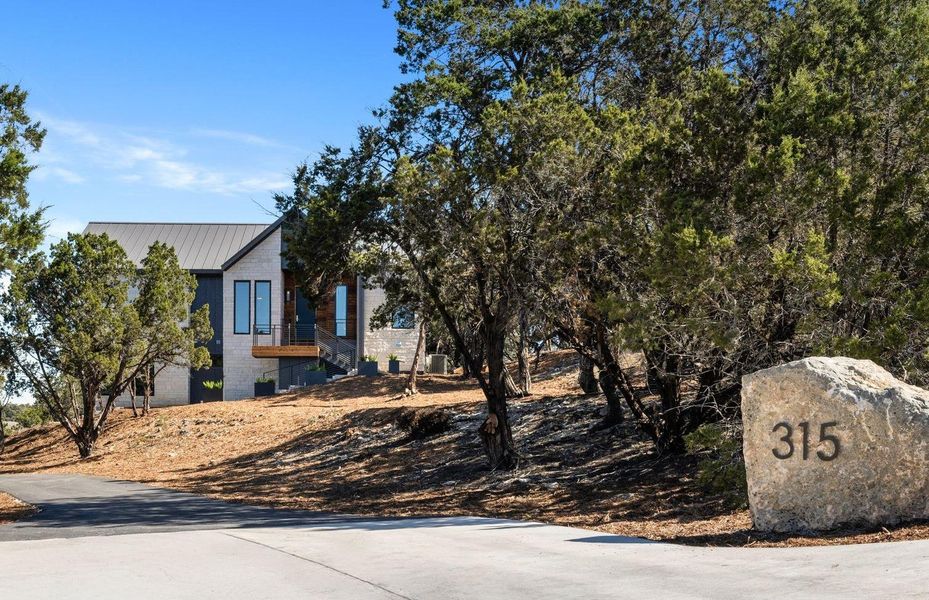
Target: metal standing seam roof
pixel 199 246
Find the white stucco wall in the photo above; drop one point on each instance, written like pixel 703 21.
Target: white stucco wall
pixel 386 341
pixel 240 369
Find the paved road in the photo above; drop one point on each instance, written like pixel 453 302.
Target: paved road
pixel 101 539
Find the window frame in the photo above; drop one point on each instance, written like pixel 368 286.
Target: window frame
pixel 255 304
pixel 335 311
pixel 235 307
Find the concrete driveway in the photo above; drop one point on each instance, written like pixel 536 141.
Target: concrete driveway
pixel 96 538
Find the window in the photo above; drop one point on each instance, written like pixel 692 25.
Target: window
pixel 242 308
pixel 140 383
pixel 263 307
pixel 404 318
pixel 341 310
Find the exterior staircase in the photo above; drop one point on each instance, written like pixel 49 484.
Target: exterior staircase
pixel 339 354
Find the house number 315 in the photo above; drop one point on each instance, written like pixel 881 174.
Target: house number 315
pixel 787 450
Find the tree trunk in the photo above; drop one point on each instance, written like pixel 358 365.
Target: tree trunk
pixel 585 377
pixel 420 344
pixel 85 440
pixel 2 432
pixel 644 417
pixel 663 370
pixel 512 389
pixel 135 411
pixel 495 431
pixel 147 397
pixel 614 405
pixel 522 359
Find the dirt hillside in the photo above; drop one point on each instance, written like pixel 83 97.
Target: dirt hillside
pixel 347 447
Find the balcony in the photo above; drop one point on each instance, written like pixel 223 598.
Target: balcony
pixel 284 341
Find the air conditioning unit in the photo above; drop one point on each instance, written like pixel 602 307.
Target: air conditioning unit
pixel 437 364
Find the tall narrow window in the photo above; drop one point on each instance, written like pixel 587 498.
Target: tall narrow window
pixel 263 307
pixel 341 310
pixel 243 306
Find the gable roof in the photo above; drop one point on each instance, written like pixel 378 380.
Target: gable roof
pixel 251 245
pixel 199 246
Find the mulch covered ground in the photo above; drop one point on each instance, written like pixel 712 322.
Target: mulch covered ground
pixel 12 509
pixel 348 447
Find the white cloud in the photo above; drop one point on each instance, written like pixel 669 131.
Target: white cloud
pixel 237 136
pixel 66 175
pixel 146 160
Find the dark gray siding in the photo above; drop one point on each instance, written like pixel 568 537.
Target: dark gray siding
pixel 210 291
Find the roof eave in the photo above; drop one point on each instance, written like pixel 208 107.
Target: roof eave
pixel 252 244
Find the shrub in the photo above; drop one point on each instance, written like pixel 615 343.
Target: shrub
pixel 213 385
pixel 421 423
pixel 393 357
pixel 317 367
pixel 720 467
pixel 264 380
pixel 369 358
pixel 26 415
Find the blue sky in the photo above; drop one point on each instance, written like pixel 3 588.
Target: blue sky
pixel 190 111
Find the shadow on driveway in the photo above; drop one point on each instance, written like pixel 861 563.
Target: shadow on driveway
pixel 79 506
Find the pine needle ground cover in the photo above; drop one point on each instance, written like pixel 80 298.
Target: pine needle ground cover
pixel 348 447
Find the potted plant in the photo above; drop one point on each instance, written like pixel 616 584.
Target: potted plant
pixel 264 386
pixel 316 374
pixel 213 390
pixel 367 365
pixel 393 364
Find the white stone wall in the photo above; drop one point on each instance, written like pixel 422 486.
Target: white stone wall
pixel 240 369
pixel 172 387
pixel 386 341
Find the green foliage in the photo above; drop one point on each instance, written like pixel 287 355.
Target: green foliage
pixel 723 186
pixel 721 469
pixel 393 357
pixel 369 358
pixel 26 415
pixel 264 380
pixel 214 384
pixel 20 230
pixel 315 368
pixel 74 335
pixel 166 292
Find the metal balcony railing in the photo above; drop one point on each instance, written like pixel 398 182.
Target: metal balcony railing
pixel 286 334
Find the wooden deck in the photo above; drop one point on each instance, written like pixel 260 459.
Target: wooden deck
pixel 293 351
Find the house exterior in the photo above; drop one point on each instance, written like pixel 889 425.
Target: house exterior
pixel 262 324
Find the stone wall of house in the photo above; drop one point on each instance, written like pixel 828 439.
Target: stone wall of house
pixel 385 341
pixel 240 369
pixel 172 387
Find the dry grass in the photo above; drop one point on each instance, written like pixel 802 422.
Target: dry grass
pixel 12 509
pixel 340 448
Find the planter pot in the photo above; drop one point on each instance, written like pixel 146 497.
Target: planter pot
pixel 368 368
pixel 315 377
pixel 212 395
pixel 264 388
pixel 393 367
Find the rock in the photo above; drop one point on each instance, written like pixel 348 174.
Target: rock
pixel 830 442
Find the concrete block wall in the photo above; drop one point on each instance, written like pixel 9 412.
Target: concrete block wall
pixel 385 341
pixel 240 369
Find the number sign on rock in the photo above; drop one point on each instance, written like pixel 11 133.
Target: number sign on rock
pixel 830 442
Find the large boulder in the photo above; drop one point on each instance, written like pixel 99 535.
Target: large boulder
pixel 830 442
